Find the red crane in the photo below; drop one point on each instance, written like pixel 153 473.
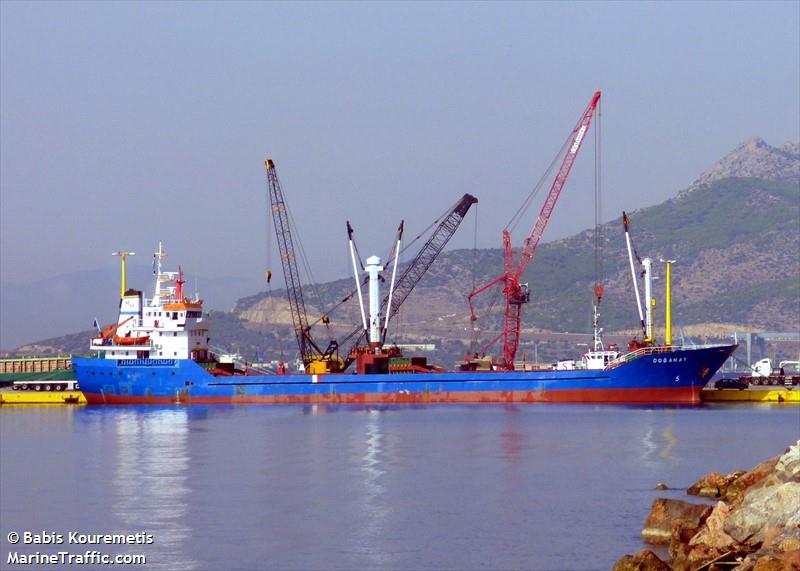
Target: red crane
pixel 517 294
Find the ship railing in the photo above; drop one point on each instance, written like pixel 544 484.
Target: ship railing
pixel 653 350
pixel 640 352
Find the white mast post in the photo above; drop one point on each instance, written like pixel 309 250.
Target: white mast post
pixel 355 273
pixel 374 268
pixel 157 271
pixel 394 273
pixel 633 275
pixel 648 294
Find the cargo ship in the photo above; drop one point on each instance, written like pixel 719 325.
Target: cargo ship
pixel 158 353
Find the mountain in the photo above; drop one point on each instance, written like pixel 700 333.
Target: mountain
pixel 735 239
pixel 755 159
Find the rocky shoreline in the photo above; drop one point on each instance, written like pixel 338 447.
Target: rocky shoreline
pixel 754 526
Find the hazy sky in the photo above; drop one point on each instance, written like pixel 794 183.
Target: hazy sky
pixel 125 123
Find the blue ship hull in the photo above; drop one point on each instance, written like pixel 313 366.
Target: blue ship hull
pixel 667 376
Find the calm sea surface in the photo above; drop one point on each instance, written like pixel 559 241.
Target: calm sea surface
pixel 435 487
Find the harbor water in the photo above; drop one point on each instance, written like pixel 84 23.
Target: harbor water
pixel 550 487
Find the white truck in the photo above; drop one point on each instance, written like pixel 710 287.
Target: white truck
pixel 762 373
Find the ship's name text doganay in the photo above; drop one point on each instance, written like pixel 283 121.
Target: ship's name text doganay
pixel 669 359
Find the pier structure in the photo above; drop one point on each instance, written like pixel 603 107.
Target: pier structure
pixel 35 364
pixel 762 339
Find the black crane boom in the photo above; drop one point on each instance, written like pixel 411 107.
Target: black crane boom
pixel 280 218
pixel 415 269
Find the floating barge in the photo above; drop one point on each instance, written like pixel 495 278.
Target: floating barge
pixel 763 394
pixel 30 397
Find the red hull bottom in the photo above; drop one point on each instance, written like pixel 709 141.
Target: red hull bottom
pixel 684 395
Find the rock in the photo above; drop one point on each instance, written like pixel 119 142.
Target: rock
pixel 756 526
pixel 666 515
pixel 698 556
pixel 713 534
pixel 787 469
pixel 761 510
pixel 662 486
pixel 780 562
pixel 687 555
pixel 786 538
pixel 710 486
pixel 645 560
pixel 735 489
pixel 772 561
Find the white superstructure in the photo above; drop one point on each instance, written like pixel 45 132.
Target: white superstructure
pixel 166 326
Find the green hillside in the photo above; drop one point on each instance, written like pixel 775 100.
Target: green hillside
pixel 737 246
pixel 736 242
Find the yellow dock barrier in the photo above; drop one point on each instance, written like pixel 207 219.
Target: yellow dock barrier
pixel 752 395
pixel 33 397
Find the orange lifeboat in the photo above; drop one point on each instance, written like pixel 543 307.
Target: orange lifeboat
pixel 131 340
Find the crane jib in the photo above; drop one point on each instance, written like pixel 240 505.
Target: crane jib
pixel 511 277
pixel 578 139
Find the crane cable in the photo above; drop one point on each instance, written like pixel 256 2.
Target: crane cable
pixel 492 300
pixel 268 273
pixel 518 215
pixel 489 310
pixel 431 225
pixel 325 317
pixel 473 331
pixel 312 283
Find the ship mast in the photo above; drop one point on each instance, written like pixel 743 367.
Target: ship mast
pixel 597 339
pixel 631 253
pixel 157 257
pixel 375 334
pixel 123 257
pixel 647 264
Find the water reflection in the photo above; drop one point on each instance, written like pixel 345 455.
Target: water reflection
pixel 658 441
pixel 512 439
pixel 649 446
pixel 150 482
pixel 374 506
pixel 513 445
pixel 671 441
